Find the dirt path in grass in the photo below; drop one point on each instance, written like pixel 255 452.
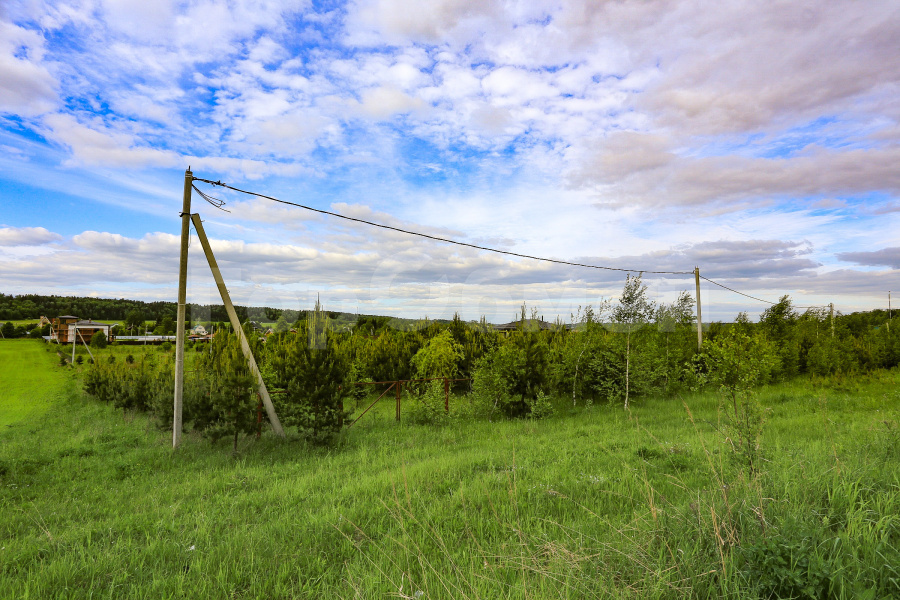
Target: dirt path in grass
pixel 31 380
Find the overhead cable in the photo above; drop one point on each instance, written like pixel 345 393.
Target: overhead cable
pixel 440 239
pixel 211 199
pixel 219 203
pixel 748 295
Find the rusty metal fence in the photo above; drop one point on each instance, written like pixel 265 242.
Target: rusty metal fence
pixel 397 386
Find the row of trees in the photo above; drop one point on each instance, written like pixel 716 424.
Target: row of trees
pixel 615 352
pixel 32 306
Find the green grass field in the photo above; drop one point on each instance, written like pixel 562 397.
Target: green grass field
pixel 592 503
pixel 29 383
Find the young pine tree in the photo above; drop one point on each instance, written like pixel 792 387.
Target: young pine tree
pixel 231 407
pixel 317 384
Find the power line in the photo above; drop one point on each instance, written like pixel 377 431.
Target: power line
pixel 439 239
pixel 219 203
pixel 748 295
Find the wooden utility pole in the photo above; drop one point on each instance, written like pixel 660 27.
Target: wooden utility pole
pixel 699 319
pixel 236 324
pixel 831 306
pixel 182 299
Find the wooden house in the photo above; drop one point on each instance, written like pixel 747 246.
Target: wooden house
pixel 68 328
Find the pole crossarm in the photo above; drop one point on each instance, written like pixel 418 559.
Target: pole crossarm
pixel 236 324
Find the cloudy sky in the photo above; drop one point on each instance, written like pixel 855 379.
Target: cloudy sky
pixel 757 140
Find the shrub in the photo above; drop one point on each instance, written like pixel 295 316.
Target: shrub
pixel 540 406
pixel 98 340
pixel 165 347
pixel 439 357
pixel 788 565
pixel 737 363
pixel 490 391
pixel 429 408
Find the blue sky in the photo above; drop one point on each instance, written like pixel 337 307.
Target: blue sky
pixel 759 142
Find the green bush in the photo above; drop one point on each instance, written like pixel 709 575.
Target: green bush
pixel 429 408
pixel 98 340
pixel 737 364
pixel 490 390
pixel 787 564
pixel 540 406
pixel 440 357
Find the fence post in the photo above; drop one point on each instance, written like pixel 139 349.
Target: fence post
pixel 446 395
pixel 399 385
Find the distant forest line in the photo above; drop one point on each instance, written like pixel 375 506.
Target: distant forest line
pixel 33 306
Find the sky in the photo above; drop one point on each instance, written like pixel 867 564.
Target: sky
pixel 758 141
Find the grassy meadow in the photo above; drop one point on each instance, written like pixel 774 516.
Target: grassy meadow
pixel 594 502
pixel 29 385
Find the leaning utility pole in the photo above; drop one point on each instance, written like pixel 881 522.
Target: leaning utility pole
pixel 182 300
pixel 236 324
pixel 699 320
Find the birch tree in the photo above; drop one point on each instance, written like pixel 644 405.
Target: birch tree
pixel 632 312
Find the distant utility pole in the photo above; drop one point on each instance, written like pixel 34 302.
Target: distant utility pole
pixel 699 319
pixel 831 306
pixel 182 299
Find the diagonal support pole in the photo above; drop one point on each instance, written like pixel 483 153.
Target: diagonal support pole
pixel 236 324
pixel 85 343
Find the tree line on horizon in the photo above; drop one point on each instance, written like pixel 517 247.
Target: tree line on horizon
pixel 33 306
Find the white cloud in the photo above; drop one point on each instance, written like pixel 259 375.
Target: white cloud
pixel 103 147
pixel 26 86
pixel 383 102
pixel 614 130
pixel 390 274
pixel 27 236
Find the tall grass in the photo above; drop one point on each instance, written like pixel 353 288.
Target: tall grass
pixel 594 503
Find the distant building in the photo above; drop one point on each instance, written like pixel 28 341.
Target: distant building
pixel 59 328
pixel 68 328
pixel 199 330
